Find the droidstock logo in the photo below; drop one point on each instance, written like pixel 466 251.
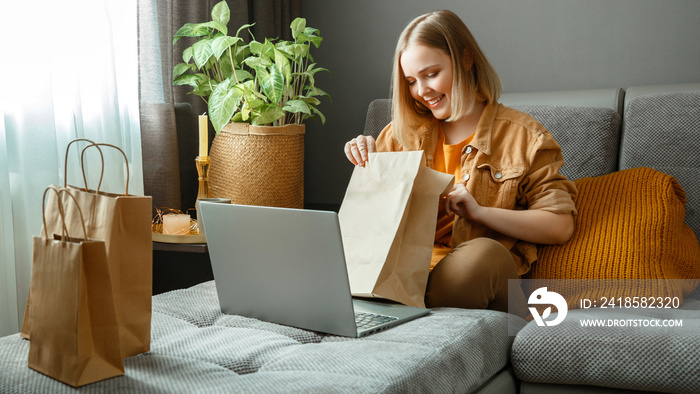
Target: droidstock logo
pixel 543 297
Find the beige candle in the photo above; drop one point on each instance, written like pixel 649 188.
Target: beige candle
pixel 176 224
pixel 203 135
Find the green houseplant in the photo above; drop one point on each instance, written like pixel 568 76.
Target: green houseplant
pixel 258 94
pixel 260 83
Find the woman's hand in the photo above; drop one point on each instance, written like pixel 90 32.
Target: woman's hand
pixel 357 149
pixel 461 202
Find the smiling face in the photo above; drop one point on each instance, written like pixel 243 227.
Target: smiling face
pixel 428 73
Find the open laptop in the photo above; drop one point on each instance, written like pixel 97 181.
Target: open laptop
pixel 287 266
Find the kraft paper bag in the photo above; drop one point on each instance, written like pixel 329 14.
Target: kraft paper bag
pixel 123 222
pixel 74 334
pixel 387 220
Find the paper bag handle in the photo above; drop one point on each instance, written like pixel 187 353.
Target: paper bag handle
pixel 65 167
pixel 61 211
pixel 97 145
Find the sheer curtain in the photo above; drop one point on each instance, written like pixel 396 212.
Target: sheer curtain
pixel 70 71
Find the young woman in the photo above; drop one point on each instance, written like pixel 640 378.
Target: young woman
pixel 508 194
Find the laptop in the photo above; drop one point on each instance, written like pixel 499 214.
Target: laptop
pixel 287 266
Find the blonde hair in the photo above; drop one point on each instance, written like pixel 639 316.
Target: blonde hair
pixel 473 77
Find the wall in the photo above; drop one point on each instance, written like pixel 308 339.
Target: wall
pixel 535 45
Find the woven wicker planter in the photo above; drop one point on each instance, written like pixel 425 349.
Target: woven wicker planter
pixel 258 165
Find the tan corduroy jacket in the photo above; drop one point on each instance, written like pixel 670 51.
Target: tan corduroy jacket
pixel 512 162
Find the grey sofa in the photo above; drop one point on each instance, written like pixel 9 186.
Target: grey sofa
pixel 659 128
pixel 196 349
pixel 602 131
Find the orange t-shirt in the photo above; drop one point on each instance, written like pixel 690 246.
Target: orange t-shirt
pixel 448 159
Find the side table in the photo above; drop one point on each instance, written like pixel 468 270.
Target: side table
pixel 178 266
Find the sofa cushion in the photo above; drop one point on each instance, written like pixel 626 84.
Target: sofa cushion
pixel 196 348
pixel 630 226
pixel 662 131
pixel 588 137
pixel 628 358
pixel 378 116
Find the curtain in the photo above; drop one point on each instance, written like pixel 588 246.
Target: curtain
pixel 70 71
pixel 168 114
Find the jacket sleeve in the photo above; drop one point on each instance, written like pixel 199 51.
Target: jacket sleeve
pixel 544 187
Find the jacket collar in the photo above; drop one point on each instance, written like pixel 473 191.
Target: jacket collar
pixel 484 129
pixel 482 135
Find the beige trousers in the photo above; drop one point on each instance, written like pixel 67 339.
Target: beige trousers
pixel 474 275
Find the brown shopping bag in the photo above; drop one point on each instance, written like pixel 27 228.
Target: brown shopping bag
pixel 123 221
pixel 74 334
pixel 387 220
pixel 26 322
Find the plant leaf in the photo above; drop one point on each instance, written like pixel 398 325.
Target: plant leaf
pixel 298 25
pixel 180 69
pixel 220 44
pixel 261 76
pixel 272 84
pixel 294 106
pixel 314 91
pixel 316 40
pixel 225 66
pixel 255 47
pixel 268 50
pixel 266 114
pixel 221 13
pixel 245 113
pixel 238 117
pixel 246 26
pixel 311 101
pixel 187 79
pixel 205 87
pixel 201 52
pixel 257 63
pixel 191 30
pixel 255 103
pixel 294 50
pixel 187 55
pixel 223 102
pixel 217 26
pixel 283 64
pixel 317 112
pixel 313 70
pixel 242 52
pixel 243 75
pixel 310 31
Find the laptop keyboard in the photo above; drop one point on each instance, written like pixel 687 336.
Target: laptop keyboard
pixel 368 320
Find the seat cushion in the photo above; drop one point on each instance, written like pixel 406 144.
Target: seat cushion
pixel 196 348
pixel 633 358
